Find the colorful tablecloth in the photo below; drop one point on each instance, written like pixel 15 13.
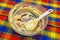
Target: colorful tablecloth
pixel 51 32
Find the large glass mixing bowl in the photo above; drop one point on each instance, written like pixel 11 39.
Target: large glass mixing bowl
pixel 24 12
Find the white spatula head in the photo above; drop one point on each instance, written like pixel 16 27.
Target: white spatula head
pixel 31 24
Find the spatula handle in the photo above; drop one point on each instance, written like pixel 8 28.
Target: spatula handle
pixel 44 14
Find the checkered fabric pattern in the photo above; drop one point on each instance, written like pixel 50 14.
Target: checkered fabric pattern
pixel 51 32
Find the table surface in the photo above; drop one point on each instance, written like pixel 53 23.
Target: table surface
pixel 51 32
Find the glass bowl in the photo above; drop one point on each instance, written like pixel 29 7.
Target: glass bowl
pixel 23 12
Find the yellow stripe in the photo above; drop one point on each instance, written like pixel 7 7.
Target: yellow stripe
pixel 9 6
pixel 49 33
pixel 53 15
pixel 7 24
pixel 52 34
pixel 42 32
pixel 3 5
pixel 6 5
pixel 2 22
pixel 54 5
pixel 58 16
pixel 28 0
pixel 0 4
pixel 43 3
pixel 38 2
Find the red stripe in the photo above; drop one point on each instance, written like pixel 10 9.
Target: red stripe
pixel 2 17
pixel 58 30
pixel 11 3
pixel 11 37
pixel 58 23
pixel 58 12
pixel 2 0
pixel 54 23
pixel 5 12
pixel 53 29
pixel 1 34
pixel 58 3
pixel 45 0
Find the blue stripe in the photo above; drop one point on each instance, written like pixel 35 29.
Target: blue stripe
pixel 6 29
pixel 47 38
pixel 47 7
pixel 44 38
pixel 3 28
pixel 50 7
pixel 2 8
pixel 7 9
pixel 44 6
pixel 58 20
pixel 58 0
pixel 58 9
pixel 10 30
pixel 37 37
pixel 33 3
pixel 16 0
pixel 52 19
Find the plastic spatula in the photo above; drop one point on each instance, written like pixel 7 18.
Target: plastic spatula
pixel 30 25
